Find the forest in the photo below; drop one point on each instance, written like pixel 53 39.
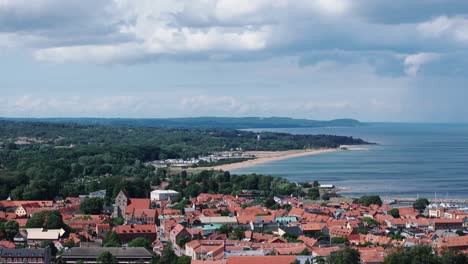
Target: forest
pixel 43 160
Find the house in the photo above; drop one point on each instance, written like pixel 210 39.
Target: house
pixel 122 254
pixel 372 255
pixel 102 229
pixel 291 230
pixel 127 233
pixel 261 259
pixel 178 232
pixel 98 194
pixel 25 255
pixel 135 204
pixel 38 235
pixel 436 212
pixel 315 228
pixel 456 243
pixel 143 216
pixel 446 224
pixel 161 195
pixel 338 231
pixel 21 209
pixel 223 220
pixel 205 249
pixel 292 249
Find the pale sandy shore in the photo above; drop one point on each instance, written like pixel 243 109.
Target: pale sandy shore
pixel 269 156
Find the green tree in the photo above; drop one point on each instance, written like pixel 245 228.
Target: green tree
pixel 47 220
pixel 313 193
pixel 181 241
pixel 140 242
pixel 184 260
pixel 92 205
pixel 394 212
pixel 370 222
pixel 11 228
pixel 107 258
pixel 345 256
pixel 326 197
pixel 453 257
pixel 270 202
pixel 420 254
pixel 316 184
pixel 69 244
pixel 224 229
pixel 49 244
pixel 320 260
pixel 368 200
pixel 167 255
pixel 339 240
pixel 112 240
pixel 118 221
pixel 420 204
pixel 239 233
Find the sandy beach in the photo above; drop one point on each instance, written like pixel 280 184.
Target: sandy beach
pixel 269 156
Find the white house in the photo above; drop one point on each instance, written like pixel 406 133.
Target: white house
pixel 160 195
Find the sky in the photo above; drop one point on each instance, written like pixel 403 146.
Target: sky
pixel 372 60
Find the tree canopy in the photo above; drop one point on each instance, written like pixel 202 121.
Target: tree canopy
pixel 345 256
pixel 47 220
pixel 369 200
pixel 422 254
pixel 92 205
pixel 40 161
pixel 140 242
pixel 107 258
pixel 420 204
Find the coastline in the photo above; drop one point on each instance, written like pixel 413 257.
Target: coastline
pixel 270 156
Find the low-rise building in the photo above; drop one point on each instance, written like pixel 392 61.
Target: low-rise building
pixel 123 255
pixel 25 255
pixel 223 220
pixel 39 235
pixel 162 195
pixel 446 224
pixel 127 233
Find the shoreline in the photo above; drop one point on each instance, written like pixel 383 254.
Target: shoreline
pixel 270 156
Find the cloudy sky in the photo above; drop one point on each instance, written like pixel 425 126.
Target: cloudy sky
pixel 373 60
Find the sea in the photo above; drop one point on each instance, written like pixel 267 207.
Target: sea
pixel 409 160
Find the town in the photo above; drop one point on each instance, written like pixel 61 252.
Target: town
pixel 207 160
pixel 220 228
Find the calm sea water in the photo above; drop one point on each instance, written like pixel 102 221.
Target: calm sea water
pixel 410 159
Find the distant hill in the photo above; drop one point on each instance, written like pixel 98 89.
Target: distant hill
pixel 203 122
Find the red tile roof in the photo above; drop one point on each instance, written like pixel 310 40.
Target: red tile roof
pixel 261 259
pixel 135 229
pixel 137 203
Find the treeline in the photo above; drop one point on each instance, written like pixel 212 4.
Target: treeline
pixel 202 122
pixel 72 159
pixel 211 181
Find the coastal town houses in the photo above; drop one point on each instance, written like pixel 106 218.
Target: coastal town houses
pixel 219 228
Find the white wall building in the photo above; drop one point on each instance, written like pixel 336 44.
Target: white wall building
pixel 160 195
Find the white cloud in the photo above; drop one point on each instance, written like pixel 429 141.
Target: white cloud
pixel 455 28
pixel 414 62
pixel 333 7
pixel 119 30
